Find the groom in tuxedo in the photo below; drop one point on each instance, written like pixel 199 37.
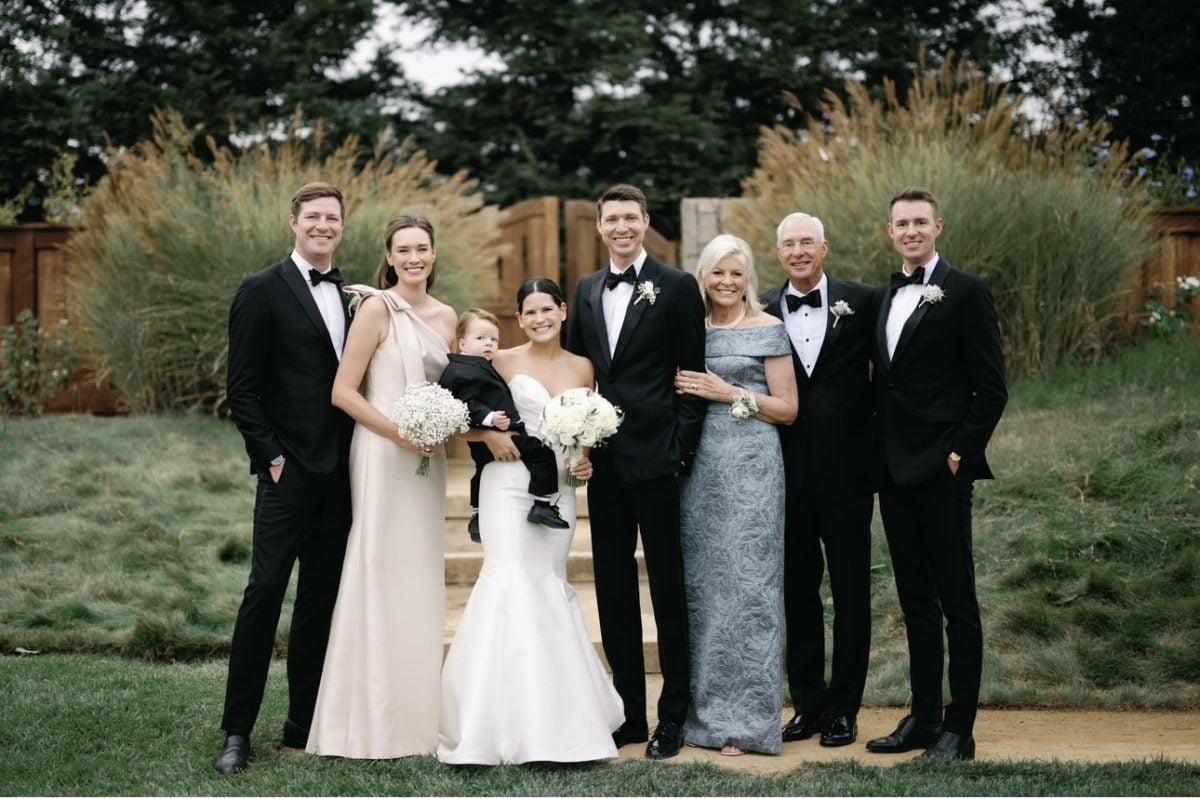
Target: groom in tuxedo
pixel 940 387
pixel 639 322
pixel 828 456
pixel 287 326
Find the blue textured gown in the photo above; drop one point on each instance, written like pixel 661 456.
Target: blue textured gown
pixel 732 528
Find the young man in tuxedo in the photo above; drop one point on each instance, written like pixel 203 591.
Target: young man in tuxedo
pixel 639 322
pixel 287 327
pixel 827 454
pixel 940 388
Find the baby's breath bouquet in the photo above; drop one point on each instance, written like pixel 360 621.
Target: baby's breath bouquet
pixel 427 415
pixel 578 418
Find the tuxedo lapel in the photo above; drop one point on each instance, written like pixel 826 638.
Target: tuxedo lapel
pixel 633 314
pixel 885 308
pixel 597 298
pixel 832 327
pixel 940 270
pixel 295 282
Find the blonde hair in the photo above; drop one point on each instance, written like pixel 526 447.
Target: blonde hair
pixel 714 252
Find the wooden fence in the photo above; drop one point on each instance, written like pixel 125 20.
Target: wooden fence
pixel 545 237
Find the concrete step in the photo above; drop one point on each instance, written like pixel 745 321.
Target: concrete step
pixel 458 492
pixel 456 601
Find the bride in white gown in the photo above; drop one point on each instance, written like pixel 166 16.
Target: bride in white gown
pixel 522 682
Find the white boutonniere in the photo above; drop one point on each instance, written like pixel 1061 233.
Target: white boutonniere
pixel 744 407
pixel 840 308
pixel 646 290
pixel 931 294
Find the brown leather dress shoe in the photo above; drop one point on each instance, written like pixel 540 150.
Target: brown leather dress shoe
pixel 802 727
pixel 910 735
pixel 951 746
pixel 666 741
pixel 233 757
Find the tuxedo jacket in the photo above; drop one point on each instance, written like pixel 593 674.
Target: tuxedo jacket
pixel 944 388
pixel 833 444
pixel 473 379
pixel 661 429
pixel 281 368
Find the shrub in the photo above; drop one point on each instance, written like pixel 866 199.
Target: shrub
pixel 1055 231
pixel 33 365
pixel 168 236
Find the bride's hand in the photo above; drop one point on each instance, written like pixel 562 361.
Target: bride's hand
pixel 501 445
pixel 582 468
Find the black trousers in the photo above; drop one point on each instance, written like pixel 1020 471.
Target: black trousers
pixel 539 459
pixel 843 528
pixel 304 517
pixel 618 510
pixel 928 528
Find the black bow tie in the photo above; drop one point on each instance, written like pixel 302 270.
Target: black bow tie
pixel 900 279
pixel 333 276
pixel 615 279
pixel 811 299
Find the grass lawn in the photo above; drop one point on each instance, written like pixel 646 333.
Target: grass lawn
pixel 105 725
pixel 124 545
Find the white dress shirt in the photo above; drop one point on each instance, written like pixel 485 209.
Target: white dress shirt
pixel 806 325
pixel 904 302
pixel 616 302
pixel 325 294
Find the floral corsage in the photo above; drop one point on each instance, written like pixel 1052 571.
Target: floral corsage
pixel 931 294
pixel 744 407
pixel 839 309
pixel 646 290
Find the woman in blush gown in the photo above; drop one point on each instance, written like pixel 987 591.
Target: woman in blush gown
pixel 522 682
pixel 379 691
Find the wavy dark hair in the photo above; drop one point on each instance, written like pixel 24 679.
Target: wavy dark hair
pixel 539 285
pixel 385 275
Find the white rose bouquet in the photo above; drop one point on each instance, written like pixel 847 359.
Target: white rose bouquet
pixel 427 415
pixel 578 418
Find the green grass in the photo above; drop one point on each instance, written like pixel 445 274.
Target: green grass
pixel 130 536
pixel 100 725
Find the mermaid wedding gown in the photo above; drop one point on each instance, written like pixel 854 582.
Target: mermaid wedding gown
pixel 522 682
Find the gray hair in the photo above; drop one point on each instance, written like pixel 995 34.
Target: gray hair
pixel 714 252
pixel 817 223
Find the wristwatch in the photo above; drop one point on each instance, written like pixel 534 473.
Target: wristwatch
pixel 954 456
pixel 277 460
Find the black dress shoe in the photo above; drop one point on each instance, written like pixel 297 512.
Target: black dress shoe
pixel 910 735
pixel 473 527
pixel 546 514
pixel 802 727
pixel 666 741
pixel 294 736
pixel 951 746
pixel 630 733
pixel 839 731
pixel 233 757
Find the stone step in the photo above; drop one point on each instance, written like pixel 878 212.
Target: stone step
pixel 456 601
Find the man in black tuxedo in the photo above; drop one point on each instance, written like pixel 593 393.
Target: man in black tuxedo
pixel 287 326
pixel 940 388
pixel 640 321
pixel 827 454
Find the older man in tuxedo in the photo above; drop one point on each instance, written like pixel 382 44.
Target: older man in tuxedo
pixel 640 321
pixel 828 454
pixel 287 327
pixel 940 387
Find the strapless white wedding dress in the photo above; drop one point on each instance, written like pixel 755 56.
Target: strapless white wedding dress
pixel 522 682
